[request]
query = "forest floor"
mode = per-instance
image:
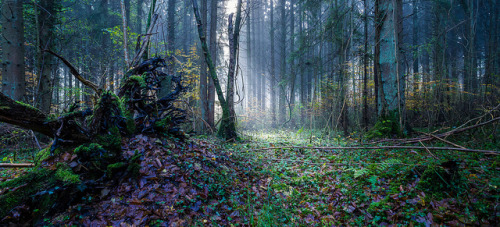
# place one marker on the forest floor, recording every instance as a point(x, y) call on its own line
point(205, 181)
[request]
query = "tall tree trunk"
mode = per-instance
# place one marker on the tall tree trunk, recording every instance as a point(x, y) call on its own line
point(171, 26)
point(365, 69)
point(125, 33)
point(12, 41)
point(303, 79)
point(253, 55)
point(469, 47)
point(376, 59)
point(139, 13)
point(227, 129)
point(282, 79)
point(213, 51)
point(203, 69)
point(262, 56)
point(250, 78)
point(415, 46)
point(391, 67)
point(292, 62)
point(46, 63)
point(273, 70)
point(186, 24)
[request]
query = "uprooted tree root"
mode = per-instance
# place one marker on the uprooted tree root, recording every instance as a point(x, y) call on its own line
point(86, 150)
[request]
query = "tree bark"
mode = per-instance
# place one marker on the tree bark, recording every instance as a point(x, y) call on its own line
point(273, 70)
point(125, 33)
point(12, 43)
point(282, 79)
point(213, 51)
point(365, 69)
point(203, 68)
point(390, 63)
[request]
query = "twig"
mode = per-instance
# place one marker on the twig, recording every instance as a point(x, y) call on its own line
point(75, 72)
point(446, 141)
point(384, 147)
point(432, 155)
point(445, 134)
point(16, 165)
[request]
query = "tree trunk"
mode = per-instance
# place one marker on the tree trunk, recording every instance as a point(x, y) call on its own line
point(46, 19)
point(203, 69)
point(391, 67)
point(139, 13)
point(250, 88)
point(273, 70)
point(365, 69)
point(282, 80)
point(213, 52)
point(292, 63)
point(125, 33)
point(12, 41)
point(227, 129)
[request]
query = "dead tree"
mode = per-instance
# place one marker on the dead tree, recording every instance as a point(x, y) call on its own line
point(86, 147)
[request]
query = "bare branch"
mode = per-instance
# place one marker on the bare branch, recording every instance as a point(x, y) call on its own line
point(75, 72)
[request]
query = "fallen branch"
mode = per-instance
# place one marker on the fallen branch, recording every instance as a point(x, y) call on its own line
point(446, 141)
point(16, 165)
point(433, 137)
point(385, 147)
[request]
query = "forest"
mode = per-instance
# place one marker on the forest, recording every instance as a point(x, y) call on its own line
point(250, 113)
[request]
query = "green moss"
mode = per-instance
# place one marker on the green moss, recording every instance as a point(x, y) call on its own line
point(386, 126)
point(66, 175)
point(27, 185)
point(88, 148)
point(111, 141)
point(26, 105)
point(114, 168)
point(137, 79)
point(164, 124)
point(43, 154)
point(129, 117)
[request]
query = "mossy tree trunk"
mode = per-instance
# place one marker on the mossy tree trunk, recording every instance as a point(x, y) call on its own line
point(227, 129)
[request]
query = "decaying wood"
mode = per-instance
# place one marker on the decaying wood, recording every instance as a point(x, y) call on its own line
point(385, 147)
point(16, 165)
point(20, 114)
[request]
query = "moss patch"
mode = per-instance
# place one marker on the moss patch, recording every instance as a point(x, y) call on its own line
point(112, 140)
point(66, 175)
point(115, 168)
point(26, 105)
point(385, 127)
point(21, 189)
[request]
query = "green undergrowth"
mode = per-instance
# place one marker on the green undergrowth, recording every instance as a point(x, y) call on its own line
point(326, 187)
point(300, 182)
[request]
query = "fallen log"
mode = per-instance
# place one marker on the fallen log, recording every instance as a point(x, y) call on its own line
point(385, 147)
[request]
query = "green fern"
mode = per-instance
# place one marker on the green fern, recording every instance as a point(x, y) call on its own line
point(360, 172)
